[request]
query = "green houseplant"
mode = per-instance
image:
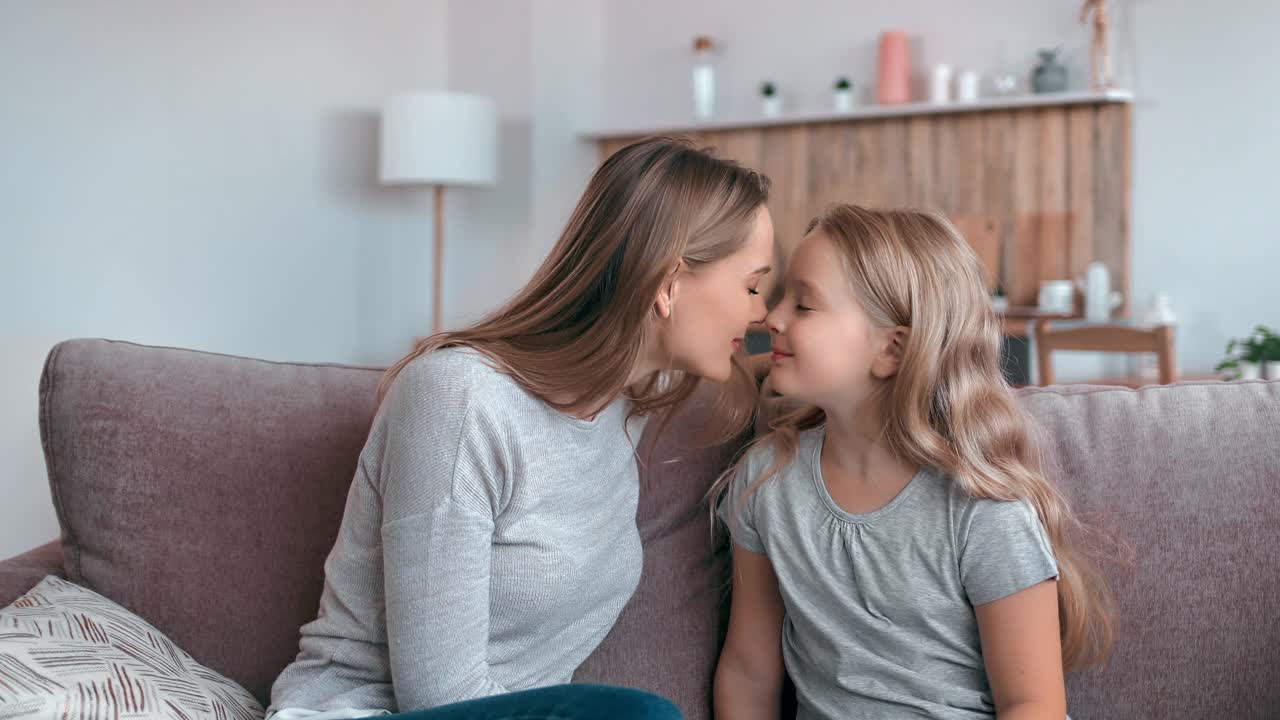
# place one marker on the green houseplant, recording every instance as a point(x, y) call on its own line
point(1252, 357)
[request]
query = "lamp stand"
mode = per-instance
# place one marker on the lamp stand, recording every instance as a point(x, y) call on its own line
point(437, 266)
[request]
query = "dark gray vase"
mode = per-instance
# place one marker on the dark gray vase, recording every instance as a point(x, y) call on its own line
point(1050, 76)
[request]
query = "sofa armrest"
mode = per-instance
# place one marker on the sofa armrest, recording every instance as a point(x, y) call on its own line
point(20, 574)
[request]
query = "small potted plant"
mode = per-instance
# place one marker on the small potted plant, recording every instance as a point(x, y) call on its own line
point(1247, 358)
point(843, 95)
point(772, 102)
point(1270, 353)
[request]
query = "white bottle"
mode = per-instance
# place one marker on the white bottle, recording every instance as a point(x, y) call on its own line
point(704, 89)
point(704, 78)
point(940, 84)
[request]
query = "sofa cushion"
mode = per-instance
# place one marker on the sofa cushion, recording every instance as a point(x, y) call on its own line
point(667, 639)
point(203, 491)
point(1188, 478)
point(67, 652)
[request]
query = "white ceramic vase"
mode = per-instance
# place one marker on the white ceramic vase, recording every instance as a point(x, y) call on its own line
point(1250, 371)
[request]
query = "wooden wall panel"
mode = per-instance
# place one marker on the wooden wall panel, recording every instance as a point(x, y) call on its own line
point(1112, 163)
point(1082, 124)
point(1039, 192)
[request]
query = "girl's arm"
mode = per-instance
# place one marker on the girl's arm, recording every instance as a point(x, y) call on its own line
point(749, 676)
point(1022, 651)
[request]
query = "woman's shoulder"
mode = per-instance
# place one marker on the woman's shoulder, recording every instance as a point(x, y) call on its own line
point(454, 370)
point(453, 381)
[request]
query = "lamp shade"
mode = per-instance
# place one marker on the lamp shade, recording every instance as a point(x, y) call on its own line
point(439, 138)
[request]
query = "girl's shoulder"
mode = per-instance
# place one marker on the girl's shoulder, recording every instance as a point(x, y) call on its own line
point(763, 456)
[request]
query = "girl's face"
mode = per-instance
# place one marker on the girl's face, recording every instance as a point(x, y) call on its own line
point(710, 308)
point(826, 349)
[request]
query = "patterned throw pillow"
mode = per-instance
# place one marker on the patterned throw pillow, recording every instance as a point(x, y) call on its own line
point(67, 652)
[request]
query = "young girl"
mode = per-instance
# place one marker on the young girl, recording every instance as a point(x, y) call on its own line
point(896, 549)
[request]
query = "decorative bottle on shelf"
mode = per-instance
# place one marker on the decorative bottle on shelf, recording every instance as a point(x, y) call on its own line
point(893, 72)
point(704, 79)
point(940, 84)
point(1050, 76)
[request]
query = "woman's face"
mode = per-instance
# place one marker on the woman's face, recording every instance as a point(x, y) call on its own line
point(712, 306)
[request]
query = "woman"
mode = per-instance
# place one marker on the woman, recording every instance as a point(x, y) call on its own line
point(489, 540)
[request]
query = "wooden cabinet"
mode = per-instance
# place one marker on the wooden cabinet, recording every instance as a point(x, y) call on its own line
point(1040, 186)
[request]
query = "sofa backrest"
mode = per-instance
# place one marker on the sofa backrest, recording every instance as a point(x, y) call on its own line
point(1187, 477)
point(204, 492)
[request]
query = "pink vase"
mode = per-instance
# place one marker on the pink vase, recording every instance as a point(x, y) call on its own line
point(895, 69)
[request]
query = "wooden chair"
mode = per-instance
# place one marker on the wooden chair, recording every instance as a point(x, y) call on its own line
point(1119, 338)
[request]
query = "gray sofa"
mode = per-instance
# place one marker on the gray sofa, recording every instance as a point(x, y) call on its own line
point(203, 492)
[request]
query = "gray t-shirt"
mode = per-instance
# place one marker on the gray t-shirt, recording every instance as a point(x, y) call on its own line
point(488, 545)
point(879, 619)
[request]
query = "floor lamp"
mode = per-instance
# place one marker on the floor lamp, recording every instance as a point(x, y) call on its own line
point(438, 139)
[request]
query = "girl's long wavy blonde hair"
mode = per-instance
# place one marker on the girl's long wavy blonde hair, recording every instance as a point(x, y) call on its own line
point(949, 406)
point(577, 329)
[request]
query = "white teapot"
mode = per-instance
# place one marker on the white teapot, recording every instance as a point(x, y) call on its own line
point(1099, 299)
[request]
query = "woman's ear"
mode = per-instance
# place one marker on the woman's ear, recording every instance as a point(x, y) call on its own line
point(664, 303)
point(893, 349)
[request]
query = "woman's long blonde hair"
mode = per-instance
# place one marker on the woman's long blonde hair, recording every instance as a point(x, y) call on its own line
point(577, 329)
point(949, 406)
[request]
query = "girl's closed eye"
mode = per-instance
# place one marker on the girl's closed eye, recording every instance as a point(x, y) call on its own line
point(803, 308)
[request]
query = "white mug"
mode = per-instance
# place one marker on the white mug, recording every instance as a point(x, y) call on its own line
point(1057, 297)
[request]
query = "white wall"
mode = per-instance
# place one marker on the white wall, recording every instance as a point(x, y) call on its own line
point(1205, 143)
point(802, 46)
point(26, 513)
point(205, 177)
point(201, 176)
point(541, 63)
point(1206, 151)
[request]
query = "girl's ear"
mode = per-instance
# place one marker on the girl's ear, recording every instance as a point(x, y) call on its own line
point(889, 360)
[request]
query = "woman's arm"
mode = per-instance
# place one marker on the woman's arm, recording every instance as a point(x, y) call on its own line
point(749, 677)
point(441, 483)
point(437, 584)
point(1022, 651)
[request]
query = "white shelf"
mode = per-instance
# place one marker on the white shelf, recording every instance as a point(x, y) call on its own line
point(870, 112)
